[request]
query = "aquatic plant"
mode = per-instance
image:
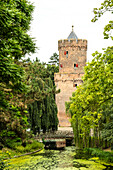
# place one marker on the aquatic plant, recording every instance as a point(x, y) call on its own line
point(56, 160)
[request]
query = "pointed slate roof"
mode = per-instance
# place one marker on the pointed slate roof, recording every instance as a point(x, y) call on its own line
point(72, 35)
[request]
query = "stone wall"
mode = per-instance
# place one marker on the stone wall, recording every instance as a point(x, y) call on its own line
point(66, 83)
point(72, 59)
point(76, 55)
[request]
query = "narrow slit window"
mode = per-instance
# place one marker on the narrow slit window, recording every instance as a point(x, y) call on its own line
point(61, 65)
point(66, 53)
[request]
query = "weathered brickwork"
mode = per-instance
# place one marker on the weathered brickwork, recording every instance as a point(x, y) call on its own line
point(72, 59)
point(76, 54)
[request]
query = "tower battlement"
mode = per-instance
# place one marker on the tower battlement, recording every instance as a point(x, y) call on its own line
point(82, 43)
point(72, 53)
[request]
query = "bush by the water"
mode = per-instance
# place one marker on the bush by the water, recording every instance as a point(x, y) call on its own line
point(9, 152)
point(29, 147)
point(18, 148)
point(106, 156)
point(3, 162)
point(87, 153)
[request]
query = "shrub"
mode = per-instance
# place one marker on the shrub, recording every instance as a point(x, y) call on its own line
point(20, 149)
point(87, 153)
point(106, 156)
point(12, 143)
point(29, 147)
point(3, 162)
point(35, 145)
point(9, 139)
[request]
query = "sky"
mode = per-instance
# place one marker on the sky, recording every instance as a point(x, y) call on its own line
point(53, 20)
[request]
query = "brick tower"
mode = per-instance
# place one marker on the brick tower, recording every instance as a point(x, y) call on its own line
point(72, 59)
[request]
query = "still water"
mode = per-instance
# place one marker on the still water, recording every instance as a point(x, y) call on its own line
point(57, 160)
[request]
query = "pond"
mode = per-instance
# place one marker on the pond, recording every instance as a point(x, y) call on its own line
point(57, 160)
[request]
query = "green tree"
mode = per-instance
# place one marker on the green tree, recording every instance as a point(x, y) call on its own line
point(107, 122)
point(54, 59)
point(40, 98)
point(15, 43)
point(87, 102)
point(51, 69)
point(91, 104)
point(106, 6)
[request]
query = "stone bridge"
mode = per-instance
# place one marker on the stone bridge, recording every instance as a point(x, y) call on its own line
point(62, 133)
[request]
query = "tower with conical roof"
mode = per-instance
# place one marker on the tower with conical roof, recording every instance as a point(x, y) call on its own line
point(72, 59)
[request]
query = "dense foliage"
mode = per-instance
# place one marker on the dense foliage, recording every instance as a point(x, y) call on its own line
point(94, 154)
point(15, 17)
point(106, 6)
point(40, 97)
point(54, 59)
point(91, 104)
point(24, 85)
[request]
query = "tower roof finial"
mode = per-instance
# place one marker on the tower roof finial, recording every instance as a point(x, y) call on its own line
point(72, 35)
